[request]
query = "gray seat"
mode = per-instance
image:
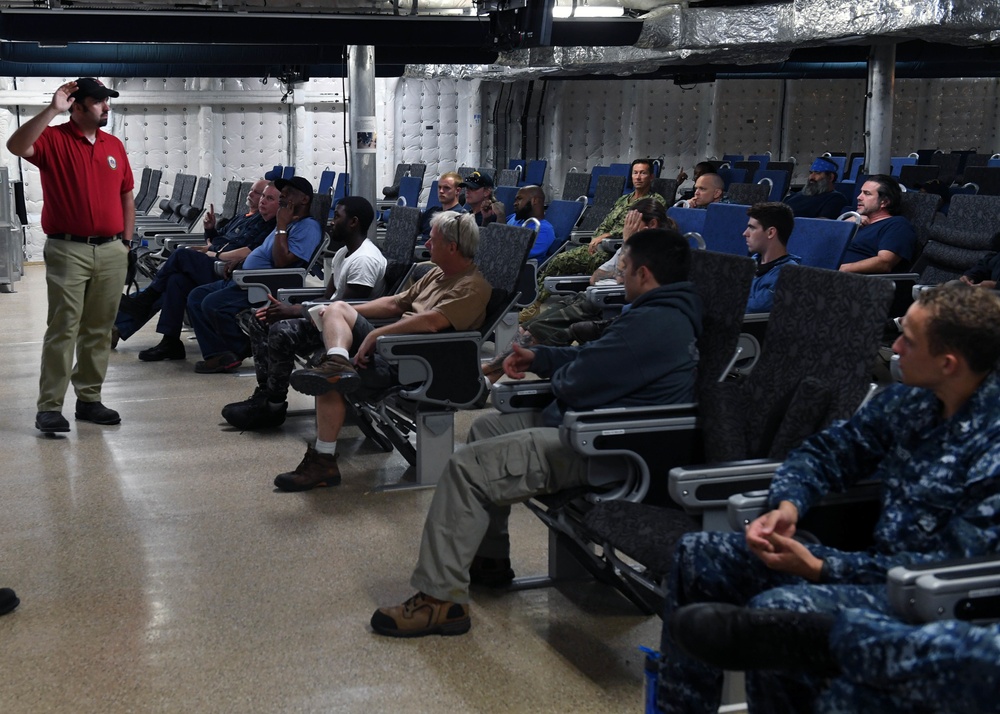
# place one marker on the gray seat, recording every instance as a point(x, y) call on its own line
point(747, 194)
point(440, 373)
point(506, 177)
point(575, 185)
point(609, 190)
point(958, 243)
point(822, 337)
point(231, 201)
point(639, 438)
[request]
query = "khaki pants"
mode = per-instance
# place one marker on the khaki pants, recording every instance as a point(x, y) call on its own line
point(84, 288)
point(509, 459)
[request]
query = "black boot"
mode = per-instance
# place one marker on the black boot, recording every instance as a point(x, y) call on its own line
point(740, 638)
point(170, 347)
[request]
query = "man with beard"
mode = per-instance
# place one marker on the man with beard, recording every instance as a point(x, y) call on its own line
point(88, 217)
point(886, 241)
point(530, 203)
point(817, 199)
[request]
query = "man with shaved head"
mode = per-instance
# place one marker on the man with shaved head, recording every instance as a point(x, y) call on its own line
point(530, 203)
point(707, 189)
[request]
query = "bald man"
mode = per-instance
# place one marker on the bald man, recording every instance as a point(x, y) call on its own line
point(530, 203)
point(707, 189)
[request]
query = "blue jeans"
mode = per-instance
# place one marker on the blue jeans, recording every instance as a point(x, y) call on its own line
point(213, 309)
point(183, 272)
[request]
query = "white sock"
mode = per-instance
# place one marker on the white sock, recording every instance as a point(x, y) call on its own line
point(339, 351)
point(326, 447)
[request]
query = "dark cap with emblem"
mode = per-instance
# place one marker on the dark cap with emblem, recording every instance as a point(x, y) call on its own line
point(90, 87)
point(477, 180)
point(296, 182)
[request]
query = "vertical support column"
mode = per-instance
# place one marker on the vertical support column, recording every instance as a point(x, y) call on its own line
point(878, 122)
point(364, 134)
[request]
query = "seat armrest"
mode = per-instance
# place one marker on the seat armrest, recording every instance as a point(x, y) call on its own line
point(608, 298)
point(261, 283)
point(296, 296)
point(611, 245)
point(949, 589)
point(744, 508)
point(174, 242)
point(566, 284)
point(439, 368)
point(702, 487)
point(522, 396)
point(623, 432)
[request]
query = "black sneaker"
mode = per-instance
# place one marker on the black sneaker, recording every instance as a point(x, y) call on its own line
point(51, 422)
point(96, 413)
point(255, 412)
point(169, 348)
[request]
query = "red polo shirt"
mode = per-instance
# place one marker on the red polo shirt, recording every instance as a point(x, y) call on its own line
point(82, 183)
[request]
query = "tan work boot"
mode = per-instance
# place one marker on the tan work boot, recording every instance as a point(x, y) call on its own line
point(422, 615)
point(332, 373)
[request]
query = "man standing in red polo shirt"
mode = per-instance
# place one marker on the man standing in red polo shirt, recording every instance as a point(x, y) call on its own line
point(88, 216)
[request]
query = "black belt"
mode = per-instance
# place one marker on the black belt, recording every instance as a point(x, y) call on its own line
point(89, 240)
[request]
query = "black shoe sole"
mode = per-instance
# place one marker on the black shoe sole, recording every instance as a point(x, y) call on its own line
point(52, 429)
point(108, 422)
point(148, 356)
point(315, 385)
point(296, 488)
point(450, 629)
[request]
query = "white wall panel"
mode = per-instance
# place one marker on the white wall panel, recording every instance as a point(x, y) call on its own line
point(239, 128)
point(946, 114)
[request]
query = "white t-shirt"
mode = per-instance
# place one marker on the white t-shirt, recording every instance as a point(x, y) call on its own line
point(365, 266)
point(613, 267)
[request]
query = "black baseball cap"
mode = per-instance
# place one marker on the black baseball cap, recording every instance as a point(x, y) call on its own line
point(296, 182)
point(477, 180)
point(90, 87)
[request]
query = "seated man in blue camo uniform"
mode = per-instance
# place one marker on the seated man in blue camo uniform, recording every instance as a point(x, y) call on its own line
point(873, 662)
point(933, 442)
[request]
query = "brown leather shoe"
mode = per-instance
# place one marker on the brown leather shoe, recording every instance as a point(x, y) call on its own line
point(313, 471)
point(422, 615)
point(332, 373)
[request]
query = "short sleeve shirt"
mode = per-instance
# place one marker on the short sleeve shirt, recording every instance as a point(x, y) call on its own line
point(893, 234)
point(461, 298)
point(82, 183)
point(365, 266)
point(303, 239)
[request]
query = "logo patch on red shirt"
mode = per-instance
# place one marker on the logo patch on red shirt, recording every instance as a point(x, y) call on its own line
point(112, 163)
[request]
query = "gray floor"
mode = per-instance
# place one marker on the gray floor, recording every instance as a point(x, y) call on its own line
point(160, 571)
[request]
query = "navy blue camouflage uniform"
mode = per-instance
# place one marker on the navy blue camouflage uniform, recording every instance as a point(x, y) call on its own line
point(889, 666)
point(940, 499)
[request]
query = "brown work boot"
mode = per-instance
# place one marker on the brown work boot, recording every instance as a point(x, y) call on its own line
point(332, 373)
point(313, 471)
point(422, 615)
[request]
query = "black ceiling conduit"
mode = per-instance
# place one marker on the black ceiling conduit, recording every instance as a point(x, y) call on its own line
point(87, 69)
point(62, 26)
